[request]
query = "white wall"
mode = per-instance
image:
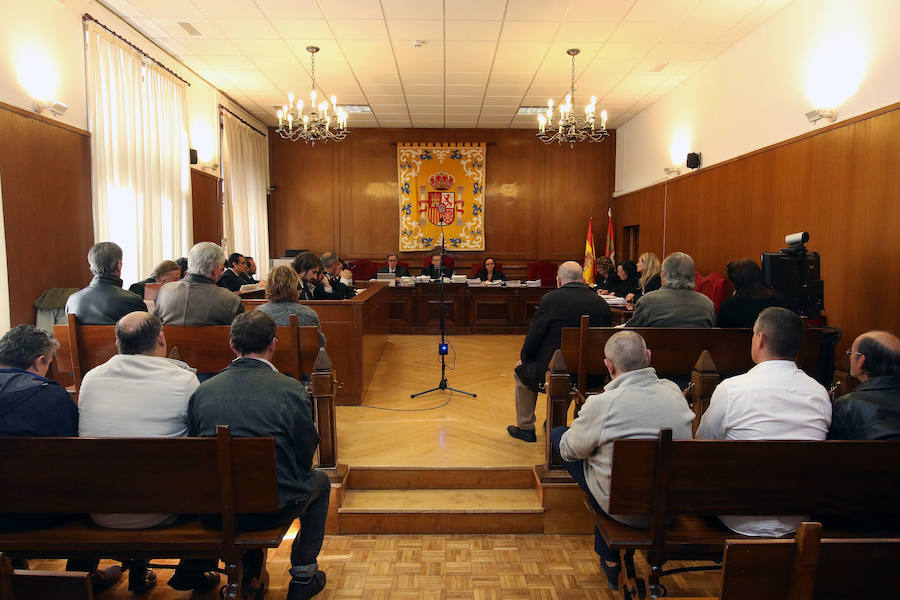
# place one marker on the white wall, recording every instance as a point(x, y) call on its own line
point(42, 55)
point(756, 93)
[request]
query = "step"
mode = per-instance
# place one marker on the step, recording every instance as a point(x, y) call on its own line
point(444, 478)
point(436, 511)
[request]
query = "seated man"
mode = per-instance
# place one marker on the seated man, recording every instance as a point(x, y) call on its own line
point(872, 410)
point(774, 400)
point(676, 304)
point(635, 404)
point(560, 308)
point(164, 272)
point(249, 277)
point(393, 267)
point(233, 277)
point(309, 267)
point(104, 302)
point(138, 393)
point(33, 406)
point(337, 282)
point(255, 400)
point(196, 300)
point(435, 270)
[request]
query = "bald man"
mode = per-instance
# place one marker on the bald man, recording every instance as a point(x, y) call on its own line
point(872, 410)
point(560, 308)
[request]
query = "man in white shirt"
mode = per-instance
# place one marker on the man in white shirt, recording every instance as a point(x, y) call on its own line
point(137, 393)
point(774, 400)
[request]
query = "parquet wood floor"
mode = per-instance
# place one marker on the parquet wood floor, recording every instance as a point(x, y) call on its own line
point(445, 567)
point(467, 432)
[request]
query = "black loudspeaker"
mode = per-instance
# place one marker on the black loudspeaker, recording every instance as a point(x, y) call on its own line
point(193, 156)
point(693, 160)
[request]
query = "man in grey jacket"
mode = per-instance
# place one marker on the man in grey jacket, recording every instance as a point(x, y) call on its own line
point(676, 304)
point(635, 404)
point(196, 300)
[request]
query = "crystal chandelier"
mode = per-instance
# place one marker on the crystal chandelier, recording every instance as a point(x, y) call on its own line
point(570, 128)
point(316, 125)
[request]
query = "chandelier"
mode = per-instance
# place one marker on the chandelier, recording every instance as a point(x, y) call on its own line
point(570, 128)
point(316, 125)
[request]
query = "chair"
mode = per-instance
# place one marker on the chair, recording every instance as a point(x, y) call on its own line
point(364, 269)
point(543, 270)
point(449, 261)
point(714, 286)
point(473, 272)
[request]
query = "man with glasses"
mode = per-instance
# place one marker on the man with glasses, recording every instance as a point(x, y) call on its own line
point(872, 410)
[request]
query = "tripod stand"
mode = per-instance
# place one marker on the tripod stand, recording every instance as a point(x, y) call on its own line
point(442, 347)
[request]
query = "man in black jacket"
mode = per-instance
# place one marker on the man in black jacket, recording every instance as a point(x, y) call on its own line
point(560, 308)
point(872, 410)
point(394, 267)
point(255, 400)
point(233, 277)
point(104, 302)
point(436, 270)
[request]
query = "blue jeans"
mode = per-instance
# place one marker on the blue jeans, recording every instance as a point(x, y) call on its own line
point(576, 470)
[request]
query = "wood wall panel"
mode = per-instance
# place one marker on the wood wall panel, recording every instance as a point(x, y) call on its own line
point(45, 170)
point(840, 184)
point(344, 196)
point(207, 210)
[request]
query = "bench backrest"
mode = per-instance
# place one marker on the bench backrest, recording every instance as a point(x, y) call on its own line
point(203, 348)
point(810, 568)
point(705, 477)
point(140, 475)
point(39, 585)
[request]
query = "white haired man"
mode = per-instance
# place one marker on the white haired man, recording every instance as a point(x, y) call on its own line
point(676, 304)
point(103, 301)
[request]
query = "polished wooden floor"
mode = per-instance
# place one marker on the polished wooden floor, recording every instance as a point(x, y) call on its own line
point(443, 567)
point(442, 428)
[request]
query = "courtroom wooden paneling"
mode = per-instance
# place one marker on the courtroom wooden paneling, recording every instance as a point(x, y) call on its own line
point(45, 170)
point(207, 209)
point(839, 183)
point(344, 196)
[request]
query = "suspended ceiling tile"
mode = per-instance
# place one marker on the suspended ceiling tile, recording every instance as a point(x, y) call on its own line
point(528, 31)
point(429, 109)
point(466, 100)
point(511, 77)
point(174, 47)
point(466, 78)
point(424, 100)
point(383, 89)
point(519, 56)
point(395, 123)
point(677, 51)
point(602, 66)
point(417, 89)
point(640, 31)
point(625, 50)
point(425, 78)
point(699, 31)
point(458, 109)
point(465, 123)
point(475, 10)
point(359, 9)
point(579, 31)
point(124, 8)
point(472, 31)
point(329, 54)
point(536, 10)
point(359, 29)
point(711, 51)
point(660, 10)
point(469, 56)
point(502, 100)
point(668, 67)
point(640, 84)
point(170, 28)
point(506, 90)
point(376, 78)
point(418, 29)
point(592, 10)
point(716, 10)
point(428, 58)
point(250, 82)
point(303, 29)
point(163, 9)
point(385, 99)
point(207, 47)
point(692, 66)
point(229, 63)
point(412, 9)
point(464, 89)
point(233, 9)
point(276, 10)
point(271, 48)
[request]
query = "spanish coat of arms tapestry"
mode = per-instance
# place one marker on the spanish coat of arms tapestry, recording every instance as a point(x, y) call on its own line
point(441, 185)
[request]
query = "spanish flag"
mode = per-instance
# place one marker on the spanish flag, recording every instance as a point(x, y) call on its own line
point(610, 240)
point(590, 265)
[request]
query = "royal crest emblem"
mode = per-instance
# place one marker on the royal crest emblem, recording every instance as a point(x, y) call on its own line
point(440, 207)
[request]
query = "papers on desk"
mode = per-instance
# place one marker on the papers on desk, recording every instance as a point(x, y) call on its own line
point(513, 283)
point(251, 287)
point(458, 279)
point(473, 282)
point(614, 300)
point(497, 283)
point(533, 283)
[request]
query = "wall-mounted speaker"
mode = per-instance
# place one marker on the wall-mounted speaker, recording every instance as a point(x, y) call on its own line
point(194, 157)
point(693, 160)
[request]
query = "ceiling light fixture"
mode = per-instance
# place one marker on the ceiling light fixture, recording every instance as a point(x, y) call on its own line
point(571, 129)
point(317, 125)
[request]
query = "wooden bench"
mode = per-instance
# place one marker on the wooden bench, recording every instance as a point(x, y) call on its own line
point(810, 568)
point(684, 482)
point(705, 355)
point(16, 584)
point(221, 476)
point(83, 347)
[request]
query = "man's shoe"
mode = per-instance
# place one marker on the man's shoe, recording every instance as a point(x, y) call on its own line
point(612, 574)
point(140, 580)
point(103, 579)
point(526, 435)
point(303, 590)
point(200, 582)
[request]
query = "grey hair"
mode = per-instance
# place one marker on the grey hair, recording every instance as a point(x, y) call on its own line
point(204, 257)
point(328, 259)
point(627, 351)
point(568, 274)
point(104, 258)
point(23, 344)
point(679, 271)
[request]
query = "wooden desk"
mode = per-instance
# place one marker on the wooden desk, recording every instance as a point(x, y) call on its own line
point(469, 309)
point(355, 330)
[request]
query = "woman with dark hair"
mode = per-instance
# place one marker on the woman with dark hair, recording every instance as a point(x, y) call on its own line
point(607, 279)
point(751, 295)
point(489, 272)
point(629, 280)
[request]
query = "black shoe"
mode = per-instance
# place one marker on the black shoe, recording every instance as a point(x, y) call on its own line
point(192, 580)
point(526, 435)
point(612, 574)
point(303, 590)
point(140, 580)
point(103, 579)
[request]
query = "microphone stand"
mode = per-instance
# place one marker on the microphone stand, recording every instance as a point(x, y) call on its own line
point(442, 347)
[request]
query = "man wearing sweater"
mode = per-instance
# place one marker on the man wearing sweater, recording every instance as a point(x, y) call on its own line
point(635, 404)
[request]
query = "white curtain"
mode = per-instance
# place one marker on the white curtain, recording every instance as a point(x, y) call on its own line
point(139, 155)
point(245, 167)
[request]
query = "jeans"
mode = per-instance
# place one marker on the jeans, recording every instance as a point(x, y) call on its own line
point(576, 470)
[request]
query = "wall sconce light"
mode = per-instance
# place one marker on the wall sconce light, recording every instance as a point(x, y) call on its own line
point(672, 171)
point(821, 113)
point(56, 107)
